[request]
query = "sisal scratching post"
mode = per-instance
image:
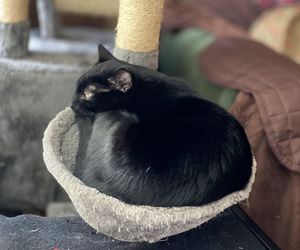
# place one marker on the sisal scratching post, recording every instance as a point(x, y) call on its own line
point(14, 28)
point(138, 31)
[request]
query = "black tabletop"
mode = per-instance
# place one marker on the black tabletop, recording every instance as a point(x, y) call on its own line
point(231, 230)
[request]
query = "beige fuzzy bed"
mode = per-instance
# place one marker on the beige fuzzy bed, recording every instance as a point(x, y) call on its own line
point(109, 215)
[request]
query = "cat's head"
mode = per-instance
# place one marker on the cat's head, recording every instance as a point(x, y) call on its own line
point(109, 73)
point(106, 85)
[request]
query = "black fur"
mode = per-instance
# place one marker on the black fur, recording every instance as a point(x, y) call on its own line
point(154, 141)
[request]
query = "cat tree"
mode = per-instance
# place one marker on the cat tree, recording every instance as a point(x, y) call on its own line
point(14, 28)
point(138, 32)
point(136, 42)
point(33, 87)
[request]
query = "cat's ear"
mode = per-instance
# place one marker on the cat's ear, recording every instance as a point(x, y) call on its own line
point(121, 80)
point(103, 54)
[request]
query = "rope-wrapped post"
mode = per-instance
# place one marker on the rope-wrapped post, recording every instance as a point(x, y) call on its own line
point(14, 28)
point(138, 31)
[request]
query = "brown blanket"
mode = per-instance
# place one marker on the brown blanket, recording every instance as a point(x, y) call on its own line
point(238, 12)
point(269, 106)
point(181, 16)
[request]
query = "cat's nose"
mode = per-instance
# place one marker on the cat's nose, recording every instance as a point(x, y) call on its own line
point(88, 96)
point(89, 93)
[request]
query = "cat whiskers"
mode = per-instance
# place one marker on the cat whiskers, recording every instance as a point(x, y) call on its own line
point(185, 164)
point(148, 169)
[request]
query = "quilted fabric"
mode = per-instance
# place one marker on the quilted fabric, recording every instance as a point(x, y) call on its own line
point(274, 82)
point(270, 3)
point(240, 13)
point(203, 15)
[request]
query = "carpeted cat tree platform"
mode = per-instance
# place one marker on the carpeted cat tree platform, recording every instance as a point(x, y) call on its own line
point(33, 87)
point(231, 230)
point(136, 42)
point(109, 215)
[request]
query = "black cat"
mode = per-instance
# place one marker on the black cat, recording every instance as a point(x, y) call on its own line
point(153, 141)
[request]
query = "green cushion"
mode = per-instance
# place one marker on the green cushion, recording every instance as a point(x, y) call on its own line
point(179, 53)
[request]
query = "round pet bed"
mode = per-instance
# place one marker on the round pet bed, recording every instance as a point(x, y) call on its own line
point(109, 215)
